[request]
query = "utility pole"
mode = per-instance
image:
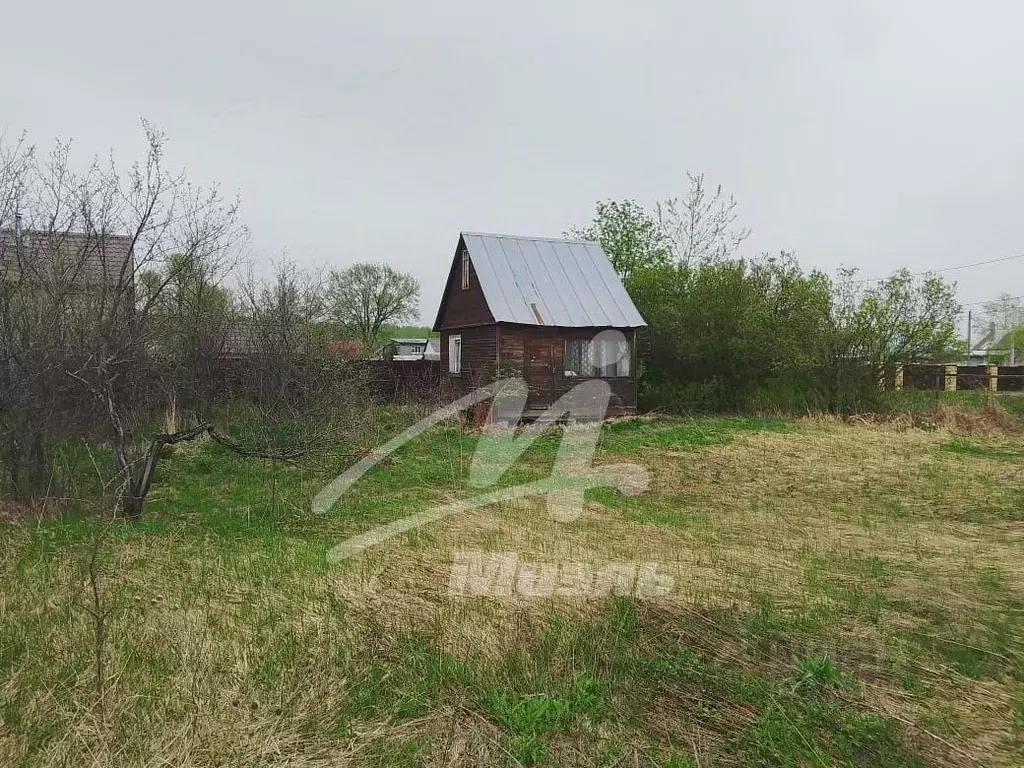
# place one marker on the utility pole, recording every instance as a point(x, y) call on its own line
point(970, 347)
point(1011, 321)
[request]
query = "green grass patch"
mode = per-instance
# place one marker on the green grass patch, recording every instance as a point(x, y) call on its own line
point(966, 447)
point(226, 616)
point(631, 435)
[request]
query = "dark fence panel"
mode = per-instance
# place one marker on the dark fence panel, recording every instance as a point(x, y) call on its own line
point(396, 381)
point(922, 376)
point(1011, 378)
point(972, 377)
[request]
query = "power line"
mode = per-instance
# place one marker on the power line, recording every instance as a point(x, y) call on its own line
point(990, 301)
point(949, 269)
point(977, 264)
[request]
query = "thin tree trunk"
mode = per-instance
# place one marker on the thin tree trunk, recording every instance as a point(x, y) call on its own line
point(137, 488)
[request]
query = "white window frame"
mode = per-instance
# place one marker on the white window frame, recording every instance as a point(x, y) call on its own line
point(465, 270)
point(455, 354)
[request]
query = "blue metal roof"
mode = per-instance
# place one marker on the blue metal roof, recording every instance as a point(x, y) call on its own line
point(542, 281)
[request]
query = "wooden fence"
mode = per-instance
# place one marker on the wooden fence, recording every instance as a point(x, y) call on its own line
point(403, 380)
point(991, 378)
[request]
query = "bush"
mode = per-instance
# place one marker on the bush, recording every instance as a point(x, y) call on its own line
point(731, 335)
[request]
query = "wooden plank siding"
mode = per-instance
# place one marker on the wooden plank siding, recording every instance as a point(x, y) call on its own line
point(517, 341)
point(479, 357)
point(463, 307)
point(497, 351)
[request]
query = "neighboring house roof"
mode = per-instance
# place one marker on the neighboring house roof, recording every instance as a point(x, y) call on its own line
point(986, 338)
point(346, 348)
point(431, 349)
point(66, 257)
point(1012, 338)
point(544, 281)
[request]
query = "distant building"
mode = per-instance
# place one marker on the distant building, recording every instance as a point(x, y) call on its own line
point(409, 349)
point(1006, 350)
point(433, 351)
point(78, 262)
point(346, 348)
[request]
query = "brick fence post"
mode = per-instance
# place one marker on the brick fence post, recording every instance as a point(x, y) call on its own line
point(950, 382)
point(897, 380)
point(993, 378)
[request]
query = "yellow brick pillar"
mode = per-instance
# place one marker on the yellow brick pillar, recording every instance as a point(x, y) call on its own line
point(993, 378)
point(897, 379)
point(950, 378)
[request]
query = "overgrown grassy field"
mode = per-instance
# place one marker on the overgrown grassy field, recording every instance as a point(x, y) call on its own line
point(844, 594)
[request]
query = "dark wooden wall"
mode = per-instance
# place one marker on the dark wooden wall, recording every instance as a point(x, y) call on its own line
point(460, 307)
point(399, 381)
point(972, 377)
point(479, 357)
point(924, 376)
point(1011, 378)
point(546, 346)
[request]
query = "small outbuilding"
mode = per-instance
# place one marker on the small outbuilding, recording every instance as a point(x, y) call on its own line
point(403, 350)
point(537, 308)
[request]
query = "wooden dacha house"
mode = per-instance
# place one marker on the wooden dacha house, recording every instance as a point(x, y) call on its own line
point(550, 311)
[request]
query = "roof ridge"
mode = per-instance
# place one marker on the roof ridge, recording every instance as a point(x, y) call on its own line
point(66, 233)
point(531, 237)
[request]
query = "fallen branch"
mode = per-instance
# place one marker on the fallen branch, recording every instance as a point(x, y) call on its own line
point(251, 453)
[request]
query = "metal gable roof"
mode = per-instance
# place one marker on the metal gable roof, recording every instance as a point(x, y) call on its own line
point(541, 281)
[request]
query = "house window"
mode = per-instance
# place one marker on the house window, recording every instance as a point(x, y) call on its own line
point(465, 270)
point(597, 358)
point(454, 354)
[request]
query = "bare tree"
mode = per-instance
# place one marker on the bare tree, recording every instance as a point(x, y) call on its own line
point(701, 225)
point(289, 371)
point(15, 161)
point(366, 296)
point(21, 446)
point(192, 316)
point(74, 321)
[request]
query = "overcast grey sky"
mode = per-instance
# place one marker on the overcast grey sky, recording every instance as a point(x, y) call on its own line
point(880, 134)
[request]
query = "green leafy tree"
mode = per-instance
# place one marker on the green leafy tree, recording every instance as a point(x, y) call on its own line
point(875, 326)
point(629, 234)
point(364, 297)
point(187, 291)
point(902, 318)
point(697, 227)
point(730, 334)
point(192, 316)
